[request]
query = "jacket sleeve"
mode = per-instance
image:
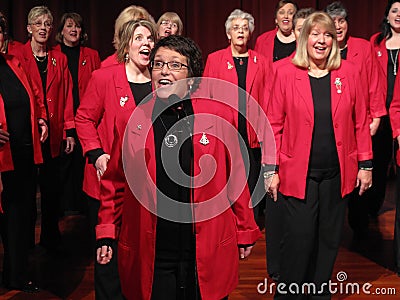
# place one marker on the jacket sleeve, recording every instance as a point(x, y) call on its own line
point(89, 114)
point(112, 187)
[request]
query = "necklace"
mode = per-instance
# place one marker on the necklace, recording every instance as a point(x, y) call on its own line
point(240, 59)
point(40, 58)
point(171, 140)
point(394, 61)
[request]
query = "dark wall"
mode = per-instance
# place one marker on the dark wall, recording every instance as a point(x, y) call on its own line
point(203, 19)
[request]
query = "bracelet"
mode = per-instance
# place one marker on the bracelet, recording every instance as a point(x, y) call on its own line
point(365, 169)
point(269, 174)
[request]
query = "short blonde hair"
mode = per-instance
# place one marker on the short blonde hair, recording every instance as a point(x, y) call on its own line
point(36, 12)
point(174, 18)
point(301, 58)
point(131, 13)
point(126, 35)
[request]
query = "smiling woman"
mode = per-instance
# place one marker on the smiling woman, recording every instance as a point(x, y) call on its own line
point(317, 168)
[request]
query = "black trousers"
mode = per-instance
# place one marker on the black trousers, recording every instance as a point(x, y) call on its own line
point(312, 232)
point(273, 234)
point(397, 223)
point(106, 278)
point(18, 201)
point(72, 168)
point(50, 192)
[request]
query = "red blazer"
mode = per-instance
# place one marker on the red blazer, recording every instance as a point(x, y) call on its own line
point(89, 60)
point(220, 65)
point(265, 44)
point(122, 215)
point(110, 61)
point(382, 58)
point(58, 92)
point(291, 115)
point(95, 116)
point(360, 52)
point(394, 113)
point(37, 111)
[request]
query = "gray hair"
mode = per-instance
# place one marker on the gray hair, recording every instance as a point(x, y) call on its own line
point(336, 9)
point(239, 14)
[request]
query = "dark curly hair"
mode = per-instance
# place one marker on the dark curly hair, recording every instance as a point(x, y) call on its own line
point(186, 47)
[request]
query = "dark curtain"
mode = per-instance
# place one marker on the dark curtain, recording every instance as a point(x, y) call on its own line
point(204, 20)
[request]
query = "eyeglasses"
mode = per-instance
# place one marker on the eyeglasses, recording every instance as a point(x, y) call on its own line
point(236, 28)
point(39, 24)
point(172, 65)
point(166, 23)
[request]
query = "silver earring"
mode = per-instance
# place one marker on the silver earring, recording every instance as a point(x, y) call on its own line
point(126, 57)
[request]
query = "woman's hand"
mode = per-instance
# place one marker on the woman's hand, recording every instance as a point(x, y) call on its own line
point(104, 254)
point(44, 130)
point(373, 126)
point(101, 164)
point(70, 145)
point(364, 180)
point(4, 136)
point(271, 185)
point(245, 251)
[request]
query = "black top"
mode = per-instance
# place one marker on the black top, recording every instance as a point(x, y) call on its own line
point(282, 50)
point(241, 70)
point(343, 53)
point(72, 54)
point(323, 149)
point(174, 168)
point(140, 90)
point(17, 108)
point(41, 62)
point(393, 57)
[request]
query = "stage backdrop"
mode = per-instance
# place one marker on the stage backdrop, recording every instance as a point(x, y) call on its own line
point(204, 20)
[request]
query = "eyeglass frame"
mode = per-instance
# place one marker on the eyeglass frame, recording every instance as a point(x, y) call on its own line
point(168, 65)
point(39, 24)
point(167, 22)
point(236, 28)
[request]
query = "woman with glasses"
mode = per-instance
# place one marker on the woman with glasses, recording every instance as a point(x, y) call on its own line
point(249, 71)
point(279, 42)
point(110, 92)
point(22, 130)
point(169, 23)
point(180, 228)
point(47, 69)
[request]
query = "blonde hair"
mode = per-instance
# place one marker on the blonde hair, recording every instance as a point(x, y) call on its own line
point(131, 13)
point(36, 12)
point(301, 58)
point(174, 18)
point(126, 35)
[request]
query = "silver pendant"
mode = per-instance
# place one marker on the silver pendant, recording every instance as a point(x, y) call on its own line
point(171, 140)
point(204, 140)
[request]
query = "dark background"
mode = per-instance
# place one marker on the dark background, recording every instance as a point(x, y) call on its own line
point(204, 20)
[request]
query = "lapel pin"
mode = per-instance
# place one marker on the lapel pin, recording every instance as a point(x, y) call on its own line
point(139, 127)
point(84, 62)
point(204, 140)
point(123, 100)
point(230, 66)
point(338, 85)
point(255, 59)
point(53, 60)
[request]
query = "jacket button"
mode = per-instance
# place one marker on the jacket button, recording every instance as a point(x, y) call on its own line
point(51, 115)
point(339, 143)
point(336, 125)
point(49, 100)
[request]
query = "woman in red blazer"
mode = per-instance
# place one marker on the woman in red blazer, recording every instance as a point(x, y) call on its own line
point(250, 72)
point(323, 150)
point(111, 91)
point(360, 52)
point(22, 115)
point(130, 13)
point(160, 255)
point(82, 61)
point(279, 42)
point(386, 46)
point(47, 69)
